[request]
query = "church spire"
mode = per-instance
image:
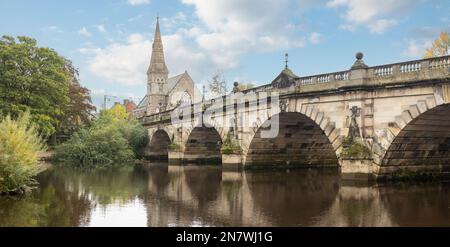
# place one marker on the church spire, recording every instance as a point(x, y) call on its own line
point(157, 76)
point(157, 63)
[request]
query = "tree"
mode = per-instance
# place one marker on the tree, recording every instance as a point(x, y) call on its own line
point(78, 111)
point(440, 46)
point(217, 86)
point(116, 113)
point(33, 79)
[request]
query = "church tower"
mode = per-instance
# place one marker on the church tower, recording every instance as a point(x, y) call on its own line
point(157, 77)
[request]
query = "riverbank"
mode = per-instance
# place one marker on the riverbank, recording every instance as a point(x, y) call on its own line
point(44, 159)
point(46, 156)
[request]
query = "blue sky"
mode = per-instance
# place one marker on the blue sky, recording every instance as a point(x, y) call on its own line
point(243, 40)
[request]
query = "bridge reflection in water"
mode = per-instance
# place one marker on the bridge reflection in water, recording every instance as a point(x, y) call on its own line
point(162, 195)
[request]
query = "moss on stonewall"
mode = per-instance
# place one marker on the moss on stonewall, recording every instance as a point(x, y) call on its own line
point(406, 175)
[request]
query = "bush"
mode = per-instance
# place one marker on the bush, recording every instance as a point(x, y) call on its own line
point(135, 134)
point(95, 147)
point(174, 146)
point(231, 146)
point(20, 145)
point(355, 149)
point(110, 141)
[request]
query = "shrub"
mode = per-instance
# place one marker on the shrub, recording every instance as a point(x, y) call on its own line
point(355, 149)
point(135, 134)
point(99, 147)
point(231, 146)
point(174, 146)
point(20, 145)
point(109, 141)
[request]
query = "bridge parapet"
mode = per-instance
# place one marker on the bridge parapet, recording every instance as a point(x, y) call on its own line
point(431, 69)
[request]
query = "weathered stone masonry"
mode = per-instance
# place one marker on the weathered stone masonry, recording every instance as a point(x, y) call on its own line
point(403, 119)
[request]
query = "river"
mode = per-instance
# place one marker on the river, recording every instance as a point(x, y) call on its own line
point(162, 195)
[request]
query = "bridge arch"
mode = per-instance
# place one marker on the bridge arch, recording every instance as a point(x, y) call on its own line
point(302, 141)
point(203, 146)
point(420, 139)
point(158, 149)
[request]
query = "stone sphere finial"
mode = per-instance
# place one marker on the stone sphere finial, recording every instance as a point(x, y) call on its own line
point(359, 55)
point(236, 87)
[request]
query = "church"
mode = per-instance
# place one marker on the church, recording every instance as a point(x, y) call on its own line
point(164, 93)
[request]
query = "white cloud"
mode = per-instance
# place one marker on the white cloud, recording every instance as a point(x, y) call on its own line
point(213, 40)
point(101, 28)
point(138, 2)
point(52, 29)
point(230, 28)
point(179, 20)
point(122, 63)
point(380, 26)
point(84, 32)
point(375, 15)
point(416, 49)
point(315, 38)
point(127, 63)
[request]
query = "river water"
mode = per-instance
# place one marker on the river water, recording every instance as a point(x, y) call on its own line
point(162, 195)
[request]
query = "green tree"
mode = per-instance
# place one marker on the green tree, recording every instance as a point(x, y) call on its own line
point(440, 46)
point(34, 79)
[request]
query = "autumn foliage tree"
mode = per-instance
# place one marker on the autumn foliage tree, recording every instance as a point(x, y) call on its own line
point(79, 109)
point(440, 46)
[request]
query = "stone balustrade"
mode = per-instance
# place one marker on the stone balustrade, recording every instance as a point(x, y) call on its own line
point(432, 68)
point(383, 71)
point(441, 62)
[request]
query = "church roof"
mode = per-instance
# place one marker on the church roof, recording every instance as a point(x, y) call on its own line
point(143, 102)
point(173, 81)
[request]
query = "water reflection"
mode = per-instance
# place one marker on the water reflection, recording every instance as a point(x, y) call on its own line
point(55, 203)
point(293, 198)
point(428, 204)
point(162, 195)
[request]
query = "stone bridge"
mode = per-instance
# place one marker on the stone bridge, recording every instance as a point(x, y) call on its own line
point(373, 121)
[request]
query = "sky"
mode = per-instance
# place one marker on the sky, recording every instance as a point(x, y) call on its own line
point(242, 40)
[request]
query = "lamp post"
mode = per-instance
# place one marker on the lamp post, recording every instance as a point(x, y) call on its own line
point(107, 98)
